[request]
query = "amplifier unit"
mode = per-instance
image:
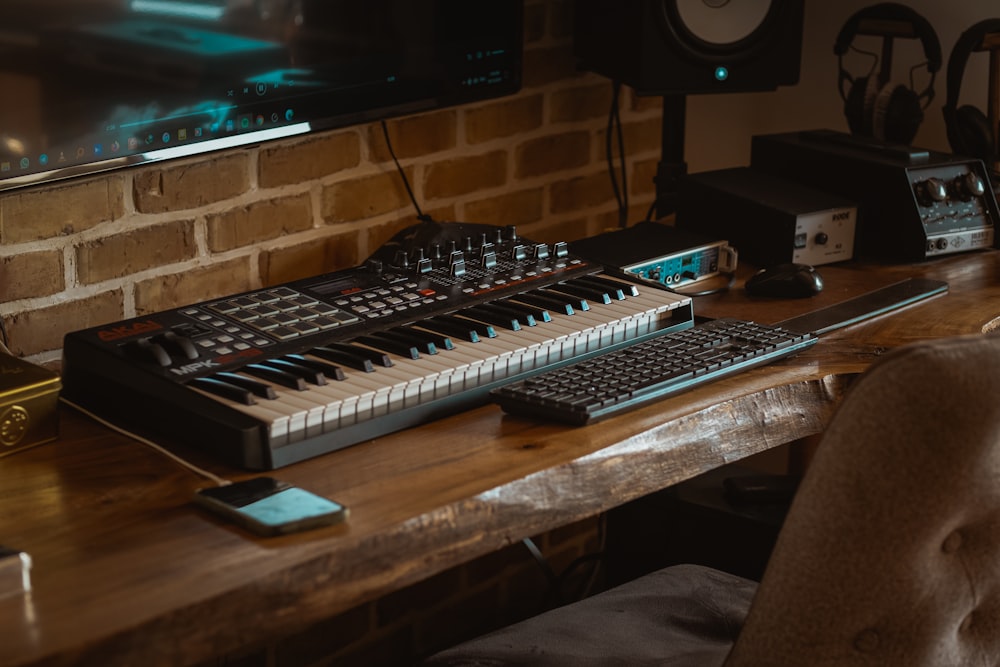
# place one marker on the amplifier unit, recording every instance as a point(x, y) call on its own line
point(659, 253)
point(913, 203)
point(769, 219)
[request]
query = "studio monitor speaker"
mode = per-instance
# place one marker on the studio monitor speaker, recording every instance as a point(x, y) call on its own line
point(662, 47)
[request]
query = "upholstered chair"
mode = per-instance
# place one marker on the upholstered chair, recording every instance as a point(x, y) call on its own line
point(889, 555)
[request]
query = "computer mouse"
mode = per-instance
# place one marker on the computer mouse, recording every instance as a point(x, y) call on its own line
point(789, 280)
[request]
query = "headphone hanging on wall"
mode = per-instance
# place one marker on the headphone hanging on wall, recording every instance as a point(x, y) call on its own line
point(874, 106)
point(969, 130)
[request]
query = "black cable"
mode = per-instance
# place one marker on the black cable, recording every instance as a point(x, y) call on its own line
point(542, 561)
point(623, 215)
point(406, 182)
point(558, 582)
point(614, 130)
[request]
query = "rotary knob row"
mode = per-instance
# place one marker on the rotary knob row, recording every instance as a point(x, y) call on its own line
point(966, 187)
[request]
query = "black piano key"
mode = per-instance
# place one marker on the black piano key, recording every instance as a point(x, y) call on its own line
point(627, 288)
point(384, 343)
point(577, 302)
point(283, 378)
point(582, 291)
point(482, 329)
point(256, 388)
point(330, 371)
point(452, 326)
point(548, 301)
point(615, 290)
point(407, 338)
point(440, 340)
point(524, 318)
point(310, 375)
point(488, 315)
point(377, 357)
point(225, 390)
point(347, 357)
point(539, 314)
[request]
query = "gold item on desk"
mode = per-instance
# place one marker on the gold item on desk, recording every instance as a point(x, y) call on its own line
point(28, 398)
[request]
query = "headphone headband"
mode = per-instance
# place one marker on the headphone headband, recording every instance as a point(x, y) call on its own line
point(892, 11)
point(964, 46)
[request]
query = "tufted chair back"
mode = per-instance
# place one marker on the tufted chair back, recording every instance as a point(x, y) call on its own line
point(890, 554)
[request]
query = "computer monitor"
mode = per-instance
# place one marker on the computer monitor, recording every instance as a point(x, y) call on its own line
point(94, 85)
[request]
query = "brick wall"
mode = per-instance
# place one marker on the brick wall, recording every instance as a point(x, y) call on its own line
point(96, 250)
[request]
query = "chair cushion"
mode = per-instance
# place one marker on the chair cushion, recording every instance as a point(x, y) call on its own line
point(690, 613)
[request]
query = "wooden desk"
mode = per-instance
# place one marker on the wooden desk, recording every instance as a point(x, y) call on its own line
point(127, 571)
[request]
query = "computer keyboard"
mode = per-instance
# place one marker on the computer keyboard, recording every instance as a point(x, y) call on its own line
point(592, 389)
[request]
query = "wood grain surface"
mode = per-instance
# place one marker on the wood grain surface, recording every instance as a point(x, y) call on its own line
point(128, 571)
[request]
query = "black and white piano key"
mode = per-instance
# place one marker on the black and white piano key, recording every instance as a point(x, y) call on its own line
point(576, 302)
point(347, 357)
point(388, 344)
point(582, 291)
point(439, 340)
point(464, 328)
point(547, 301)
point(488, 314)
point(329, 371)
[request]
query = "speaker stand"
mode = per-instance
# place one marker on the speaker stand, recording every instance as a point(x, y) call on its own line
point(672, 167)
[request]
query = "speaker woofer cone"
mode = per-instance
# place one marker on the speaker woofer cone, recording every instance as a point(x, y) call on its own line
point(718, 27)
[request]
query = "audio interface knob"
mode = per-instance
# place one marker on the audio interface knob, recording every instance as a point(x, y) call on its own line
point(969, 186)
point(822, 238)
point(931, 191)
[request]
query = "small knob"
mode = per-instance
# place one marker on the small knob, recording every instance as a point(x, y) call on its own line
point(402, 260)
point(931, 191)
point(969, 185)
point(822, 238)
point(511, 232)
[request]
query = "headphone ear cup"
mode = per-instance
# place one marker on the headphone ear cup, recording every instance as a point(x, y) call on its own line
point(858, 105)
point(973, 133)
point(896, 115)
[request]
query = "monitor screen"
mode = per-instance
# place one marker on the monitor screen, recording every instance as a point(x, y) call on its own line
point(92, 85)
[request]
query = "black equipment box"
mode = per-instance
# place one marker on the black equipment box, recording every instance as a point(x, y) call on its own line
point(913, 203)
point(769, 219)
point(659, 253)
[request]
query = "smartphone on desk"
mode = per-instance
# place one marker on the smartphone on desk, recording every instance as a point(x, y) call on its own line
point(268, 506)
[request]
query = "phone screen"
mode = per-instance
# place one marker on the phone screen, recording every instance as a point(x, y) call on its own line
point(271, 507)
